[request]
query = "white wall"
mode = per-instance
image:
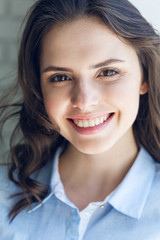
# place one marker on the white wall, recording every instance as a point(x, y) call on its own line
point(150, 9)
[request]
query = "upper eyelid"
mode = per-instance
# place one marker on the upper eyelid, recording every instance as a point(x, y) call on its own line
point(118, 71)
point(110, 68)
point(58, 74)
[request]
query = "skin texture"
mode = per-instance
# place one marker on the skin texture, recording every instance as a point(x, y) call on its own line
point(93, 164)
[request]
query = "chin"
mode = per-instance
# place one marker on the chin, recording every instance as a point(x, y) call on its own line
point(92, 148)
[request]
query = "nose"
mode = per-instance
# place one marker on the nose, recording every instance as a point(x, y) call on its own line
point(85, 95)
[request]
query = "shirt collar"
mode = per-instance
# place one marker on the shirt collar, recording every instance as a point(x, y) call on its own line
point(130, 196)
point(49, 175)
point(44, 175)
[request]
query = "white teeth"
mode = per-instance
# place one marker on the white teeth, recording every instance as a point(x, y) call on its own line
point(97, 121)
point(85, 123)
point(91, 122)
point(80, 123)
point(101, 120)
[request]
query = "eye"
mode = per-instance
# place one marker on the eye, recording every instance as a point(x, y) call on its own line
point(59, 78)
point(108, 73)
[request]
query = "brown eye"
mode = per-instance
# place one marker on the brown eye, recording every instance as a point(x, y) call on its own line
point(108, 73)
point(59, 78)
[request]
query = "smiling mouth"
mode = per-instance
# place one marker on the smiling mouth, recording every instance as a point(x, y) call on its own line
point(91, 122)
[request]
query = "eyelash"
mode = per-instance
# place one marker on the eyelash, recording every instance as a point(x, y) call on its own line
point(115, 71)
point(64, 77)
point(52, 78)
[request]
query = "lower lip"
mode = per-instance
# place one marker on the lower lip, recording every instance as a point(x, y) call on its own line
point(91, 130)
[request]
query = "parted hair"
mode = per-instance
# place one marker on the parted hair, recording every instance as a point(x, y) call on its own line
point(39, 137)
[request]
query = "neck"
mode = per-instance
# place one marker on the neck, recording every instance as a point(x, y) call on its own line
point(109, 167)
point(91, 177)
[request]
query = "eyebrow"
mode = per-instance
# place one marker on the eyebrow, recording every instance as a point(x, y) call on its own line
point(105, 63)
point(98, 65)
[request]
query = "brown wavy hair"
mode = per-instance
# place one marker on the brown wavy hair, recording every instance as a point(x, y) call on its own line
point(39, 138)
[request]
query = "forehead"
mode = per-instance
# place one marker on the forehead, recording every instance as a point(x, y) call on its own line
point(86, 38)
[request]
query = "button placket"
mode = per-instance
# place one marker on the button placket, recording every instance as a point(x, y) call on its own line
point(73, 226)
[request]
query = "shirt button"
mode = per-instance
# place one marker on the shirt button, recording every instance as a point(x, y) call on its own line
point(101, 206)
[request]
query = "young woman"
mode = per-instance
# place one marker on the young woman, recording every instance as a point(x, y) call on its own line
point(87, 162)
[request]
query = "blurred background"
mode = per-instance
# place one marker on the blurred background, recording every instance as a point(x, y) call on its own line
point(12, 13)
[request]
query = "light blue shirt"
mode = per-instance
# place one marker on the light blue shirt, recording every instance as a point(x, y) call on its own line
point(131, 212)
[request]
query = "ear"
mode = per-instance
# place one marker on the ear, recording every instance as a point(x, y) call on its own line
point(144, 88)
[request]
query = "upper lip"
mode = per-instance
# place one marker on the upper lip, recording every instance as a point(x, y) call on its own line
point(90, 116)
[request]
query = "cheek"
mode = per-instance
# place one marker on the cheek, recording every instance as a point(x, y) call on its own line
point(53, 111)
point(123, 94)
point(51, 105)
point(55, 104)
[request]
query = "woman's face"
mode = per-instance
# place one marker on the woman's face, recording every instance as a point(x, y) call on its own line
point(91, 82)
